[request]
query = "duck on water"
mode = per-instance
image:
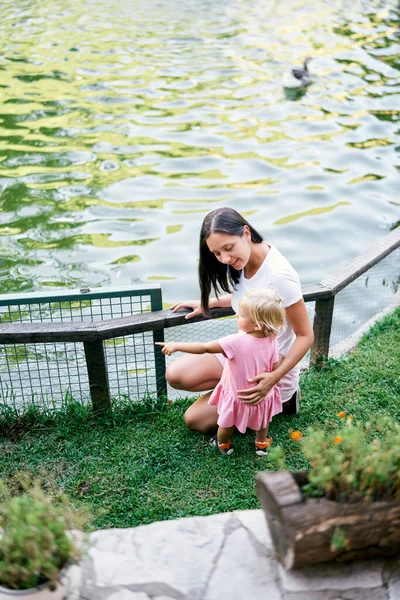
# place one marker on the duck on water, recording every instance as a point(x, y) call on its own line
point(298, 77)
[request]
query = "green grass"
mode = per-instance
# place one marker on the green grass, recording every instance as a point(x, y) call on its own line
point(140, 463)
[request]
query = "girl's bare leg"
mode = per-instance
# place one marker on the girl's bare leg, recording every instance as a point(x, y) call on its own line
point(224, 434)
point(261, 434)
point(197, 373)
point(263, 442)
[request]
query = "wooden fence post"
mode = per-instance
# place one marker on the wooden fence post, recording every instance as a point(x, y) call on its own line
point(98, 377)
point(322, 329)
point(159, 357)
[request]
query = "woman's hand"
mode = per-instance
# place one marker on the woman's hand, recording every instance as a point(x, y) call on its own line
point(193, 304)
point(256, 394)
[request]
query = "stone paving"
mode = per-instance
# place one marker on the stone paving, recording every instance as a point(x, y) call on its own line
point(220, 557)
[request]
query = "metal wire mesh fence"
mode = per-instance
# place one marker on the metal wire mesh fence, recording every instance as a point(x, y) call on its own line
point(117, 358)
point(204, 331)
point(365, 297)
point(51, 372)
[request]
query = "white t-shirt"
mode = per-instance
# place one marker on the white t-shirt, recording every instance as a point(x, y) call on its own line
point(277, 273)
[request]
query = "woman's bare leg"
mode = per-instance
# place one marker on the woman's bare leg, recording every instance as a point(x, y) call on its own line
point(200, 416)
point(194, 372)
point(197, 373)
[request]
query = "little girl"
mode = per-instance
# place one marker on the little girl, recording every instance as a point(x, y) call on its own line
point(252, 351)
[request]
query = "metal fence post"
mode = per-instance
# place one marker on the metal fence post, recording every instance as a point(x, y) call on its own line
point(322, 329)
point(98, 377)
point(158, 336)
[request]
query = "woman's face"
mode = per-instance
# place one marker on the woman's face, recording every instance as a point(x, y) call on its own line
point(232, 250)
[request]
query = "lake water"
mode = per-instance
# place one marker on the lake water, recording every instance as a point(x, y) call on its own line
point(122, 123)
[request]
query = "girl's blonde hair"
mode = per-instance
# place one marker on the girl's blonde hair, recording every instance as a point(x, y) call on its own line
point(265, 308)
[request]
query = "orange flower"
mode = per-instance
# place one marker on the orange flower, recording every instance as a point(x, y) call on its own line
point(295, 435)
point(338, 440)
point(341, 414)
point(349, 418)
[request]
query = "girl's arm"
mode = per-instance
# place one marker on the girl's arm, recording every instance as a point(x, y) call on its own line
point(221, 302)
point(190, 347)
point(298, 317)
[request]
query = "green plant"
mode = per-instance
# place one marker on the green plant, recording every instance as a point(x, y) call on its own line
point(34, 544)
point(358, 462)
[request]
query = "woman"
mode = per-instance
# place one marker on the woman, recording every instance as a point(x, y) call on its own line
point(234, 259)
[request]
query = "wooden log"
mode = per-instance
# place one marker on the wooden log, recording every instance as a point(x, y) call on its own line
point(72, 331)
point(38, 333)
point(303, 529)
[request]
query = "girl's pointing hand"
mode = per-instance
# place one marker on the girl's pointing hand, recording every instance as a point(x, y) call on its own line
point(167, 348)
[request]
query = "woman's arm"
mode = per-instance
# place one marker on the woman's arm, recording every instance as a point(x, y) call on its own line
point(275, 365)
point(190, 347)
point(298, 318)
point(221, 302)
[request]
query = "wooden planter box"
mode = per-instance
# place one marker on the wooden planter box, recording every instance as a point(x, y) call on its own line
point(302, 528)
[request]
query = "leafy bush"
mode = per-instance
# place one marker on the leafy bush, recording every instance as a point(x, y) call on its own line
point(357, 462)
point(34, 544)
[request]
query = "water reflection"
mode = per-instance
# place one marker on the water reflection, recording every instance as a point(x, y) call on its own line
point(123, 123)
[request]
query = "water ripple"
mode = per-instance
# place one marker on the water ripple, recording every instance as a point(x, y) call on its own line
point(123, 123)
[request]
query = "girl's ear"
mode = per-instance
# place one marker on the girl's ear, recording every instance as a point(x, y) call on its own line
point(258, 327)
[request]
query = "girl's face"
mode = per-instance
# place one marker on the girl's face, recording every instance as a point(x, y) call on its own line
point(232, 250)
point(244, 321)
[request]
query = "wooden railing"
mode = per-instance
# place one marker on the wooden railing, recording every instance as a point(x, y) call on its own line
point(92, 334)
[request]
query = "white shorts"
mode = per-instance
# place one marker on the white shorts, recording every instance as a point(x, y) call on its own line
point(287, 385)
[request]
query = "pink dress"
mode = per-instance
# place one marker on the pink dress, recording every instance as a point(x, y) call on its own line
point(247, 356)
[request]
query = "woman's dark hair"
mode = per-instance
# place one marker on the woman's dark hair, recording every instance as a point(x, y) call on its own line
point(212, 273)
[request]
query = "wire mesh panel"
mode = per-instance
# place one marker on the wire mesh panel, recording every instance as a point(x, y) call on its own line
point(204, 331)
point(211, 330)
point(131, 366)
point(365, 297)
point(51, 372)
point(354, 306)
